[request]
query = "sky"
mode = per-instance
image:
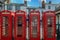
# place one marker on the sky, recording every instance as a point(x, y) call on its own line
point(34, 3)
point(54, 1)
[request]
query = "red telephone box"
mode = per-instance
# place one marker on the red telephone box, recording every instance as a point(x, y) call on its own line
point(20, 25)
point(34, 25)
point(49, 25)
point(6, 25)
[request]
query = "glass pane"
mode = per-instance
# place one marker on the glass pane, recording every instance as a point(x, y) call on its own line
point(59, 24)
point(50, 28)
point(9, 7)
point(5, 26)
point(59, 28)
point(17, 7)
point(19, 26)
point(56, 20)
point(59, 32)
point(59, 19)
point(34, 26)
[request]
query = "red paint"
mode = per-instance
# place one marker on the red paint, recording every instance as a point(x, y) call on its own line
point(31, 37)
point(52, 26)
point(4, 36)
point(21, 36)
point(0, 25)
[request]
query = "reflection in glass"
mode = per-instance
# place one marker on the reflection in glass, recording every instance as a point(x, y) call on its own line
point(34, 26)
point(50, 27)
point(5, 26)
point(19, 26)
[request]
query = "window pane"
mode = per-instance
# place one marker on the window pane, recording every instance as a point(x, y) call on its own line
point(34, 24)
point(50, 27)
point(5, 26)
point(17, 7)
point(9, 7)
point(19, 26)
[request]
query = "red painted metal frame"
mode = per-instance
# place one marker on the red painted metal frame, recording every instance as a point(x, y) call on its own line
point(45, 18)
point(24, 26)
point(38, 26)
point(9, 37)
point(0, 25)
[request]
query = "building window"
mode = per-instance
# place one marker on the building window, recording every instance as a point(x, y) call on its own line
point(49, 7)
point(9, 7)
point(17, 7)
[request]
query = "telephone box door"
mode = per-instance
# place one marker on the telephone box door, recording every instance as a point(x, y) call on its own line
point(49, 24)
point(20, 25)
point(6, 25)
point(34, 25)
